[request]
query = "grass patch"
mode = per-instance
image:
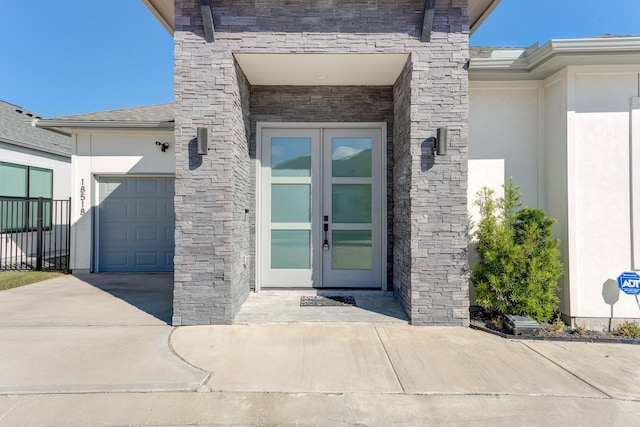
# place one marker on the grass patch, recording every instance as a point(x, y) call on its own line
point(14, 279)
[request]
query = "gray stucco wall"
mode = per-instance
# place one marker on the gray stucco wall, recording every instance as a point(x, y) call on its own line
point(213, 233)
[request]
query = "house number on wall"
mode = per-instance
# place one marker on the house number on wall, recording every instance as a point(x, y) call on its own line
point(82, 197)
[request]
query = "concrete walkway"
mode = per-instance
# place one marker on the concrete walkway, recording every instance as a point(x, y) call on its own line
point(97, 352)
point(66, 335)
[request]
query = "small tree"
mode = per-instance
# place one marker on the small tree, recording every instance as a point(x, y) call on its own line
point(519, 268)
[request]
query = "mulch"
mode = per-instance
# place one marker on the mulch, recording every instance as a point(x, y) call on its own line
point(483, 322)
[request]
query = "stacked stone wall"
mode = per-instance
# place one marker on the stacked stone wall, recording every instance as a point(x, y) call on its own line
point(213, 234)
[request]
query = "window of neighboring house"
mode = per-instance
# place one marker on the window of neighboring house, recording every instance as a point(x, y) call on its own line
point(20, 188)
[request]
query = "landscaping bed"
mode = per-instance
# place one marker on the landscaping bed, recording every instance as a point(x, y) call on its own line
point(555, 331)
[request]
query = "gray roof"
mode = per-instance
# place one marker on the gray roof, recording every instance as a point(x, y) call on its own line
point(157, 112)
point(16, 129)
point(150, 116)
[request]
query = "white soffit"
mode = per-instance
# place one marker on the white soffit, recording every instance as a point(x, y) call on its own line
point(322, 69)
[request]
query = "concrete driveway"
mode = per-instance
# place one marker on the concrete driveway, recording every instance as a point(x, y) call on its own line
point(96, 350)
point(103, 332)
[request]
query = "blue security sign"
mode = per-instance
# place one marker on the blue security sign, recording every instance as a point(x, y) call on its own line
point(629, 282)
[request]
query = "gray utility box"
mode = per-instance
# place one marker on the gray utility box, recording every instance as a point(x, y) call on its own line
point(521, 325)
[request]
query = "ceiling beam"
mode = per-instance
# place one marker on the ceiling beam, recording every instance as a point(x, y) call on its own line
point(207, 19)
point(427, 21)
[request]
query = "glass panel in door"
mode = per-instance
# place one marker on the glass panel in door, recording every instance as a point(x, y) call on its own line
point(352, 206)
point(321, 186)
point(290, 164)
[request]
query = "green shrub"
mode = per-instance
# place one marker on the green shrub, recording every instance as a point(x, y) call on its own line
point(519, 268)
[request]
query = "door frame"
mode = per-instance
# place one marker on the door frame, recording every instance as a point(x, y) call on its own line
point(382, 126)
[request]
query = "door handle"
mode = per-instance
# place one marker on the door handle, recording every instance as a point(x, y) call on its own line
point(325, 245)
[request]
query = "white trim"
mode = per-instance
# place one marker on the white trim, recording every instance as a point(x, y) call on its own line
point(573, 277)
point(504, 84)
point(541, 167)
point(261, 126)
point(635, 182)
point(541, 63)
point(604, 69)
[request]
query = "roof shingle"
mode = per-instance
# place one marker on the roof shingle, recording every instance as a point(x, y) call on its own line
point(16, 129)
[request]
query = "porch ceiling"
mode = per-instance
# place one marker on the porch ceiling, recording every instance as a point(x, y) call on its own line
point(163, 11)
point(266, 69)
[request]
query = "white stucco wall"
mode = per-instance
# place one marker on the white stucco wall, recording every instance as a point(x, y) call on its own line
point(567, 141)
point(504, 141)
point(61, 166)
point(504, 137)
point(15, 247)
point(601, 99)
point(101, 153)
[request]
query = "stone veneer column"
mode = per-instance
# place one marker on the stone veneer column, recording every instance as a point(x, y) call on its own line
point(439, 217)
point(430, 192)
point(212, 227)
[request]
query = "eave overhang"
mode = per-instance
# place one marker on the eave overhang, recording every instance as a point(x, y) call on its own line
point(35, 147)
point(70, 125)
point(556, 55)
point(163, 10)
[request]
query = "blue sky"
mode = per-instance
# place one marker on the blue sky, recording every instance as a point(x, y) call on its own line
point(62, 57)
point(521, 23)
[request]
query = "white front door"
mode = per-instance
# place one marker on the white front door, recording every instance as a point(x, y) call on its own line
point(321, 207)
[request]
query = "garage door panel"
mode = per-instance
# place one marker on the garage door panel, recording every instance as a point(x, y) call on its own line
point(136, 236)
point(115, 209)
point(116, 258)
point(147, 210)
point(146, 258)
point(117, 234)
point(168, 257)
point(147, 233)
point(148, 186)
point(114, 186)
point(169, 234)
point(136, 224)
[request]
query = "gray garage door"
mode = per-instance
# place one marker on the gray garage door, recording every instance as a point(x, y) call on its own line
point(135, 224)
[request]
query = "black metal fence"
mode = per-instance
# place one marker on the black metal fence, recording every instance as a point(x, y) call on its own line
point(34, 234)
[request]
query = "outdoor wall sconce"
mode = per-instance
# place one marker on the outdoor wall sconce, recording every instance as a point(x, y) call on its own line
point(163, 145)
point(441, 142)
point(203, 141)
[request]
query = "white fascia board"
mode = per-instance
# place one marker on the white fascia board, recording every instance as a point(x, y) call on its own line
point(483, 16)
point(164, 20)
point(73, 124)
point(35, 147)
point(498, 63)
point(554, 49)
point(584, 46)
point(505, 84)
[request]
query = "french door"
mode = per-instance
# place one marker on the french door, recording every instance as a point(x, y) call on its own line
point(321, 207)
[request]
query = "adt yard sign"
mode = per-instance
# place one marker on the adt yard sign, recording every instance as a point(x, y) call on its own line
point(629, 283)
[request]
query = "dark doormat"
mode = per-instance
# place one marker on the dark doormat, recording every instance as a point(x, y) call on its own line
point(321, 301)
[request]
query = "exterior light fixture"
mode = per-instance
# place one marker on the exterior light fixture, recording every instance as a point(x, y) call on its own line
point(203, 141)
point(441, 142)
point(163, 145)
